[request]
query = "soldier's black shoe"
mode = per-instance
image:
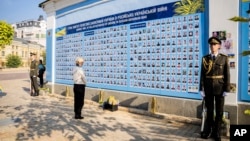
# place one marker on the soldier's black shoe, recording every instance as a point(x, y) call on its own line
point(37, 93)
point(216, 136)
point(31, 94)
point(204, 135)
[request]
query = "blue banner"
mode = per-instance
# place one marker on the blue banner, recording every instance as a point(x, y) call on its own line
point(145, 14)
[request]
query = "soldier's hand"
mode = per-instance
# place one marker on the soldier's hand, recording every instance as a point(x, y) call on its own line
point(225, 93)
point(202, 93)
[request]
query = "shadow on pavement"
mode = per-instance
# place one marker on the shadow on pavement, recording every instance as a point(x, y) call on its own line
point(2, 94)
point(43, 116)
point(27, 90)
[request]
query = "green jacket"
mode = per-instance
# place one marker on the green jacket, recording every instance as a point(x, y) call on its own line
point(215, 75)
point(34, 68)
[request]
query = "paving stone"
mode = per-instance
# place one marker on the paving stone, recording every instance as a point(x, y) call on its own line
point(51, 118)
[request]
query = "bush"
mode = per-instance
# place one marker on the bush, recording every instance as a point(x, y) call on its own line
point(13, 61)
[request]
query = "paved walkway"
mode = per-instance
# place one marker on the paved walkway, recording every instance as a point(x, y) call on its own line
point(50, 118)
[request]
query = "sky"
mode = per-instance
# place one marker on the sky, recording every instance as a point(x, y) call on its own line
point(13, 11)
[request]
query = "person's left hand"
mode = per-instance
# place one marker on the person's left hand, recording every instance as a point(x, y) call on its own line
point(225, 94)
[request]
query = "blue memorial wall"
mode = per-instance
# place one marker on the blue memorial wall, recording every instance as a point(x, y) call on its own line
point(244, 61)
point(149, 50)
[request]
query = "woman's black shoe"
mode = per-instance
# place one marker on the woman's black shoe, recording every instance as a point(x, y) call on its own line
point(79, 117)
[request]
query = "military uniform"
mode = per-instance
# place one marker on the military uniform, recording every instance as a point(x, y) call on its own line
point(33, 77)
point(215, 80)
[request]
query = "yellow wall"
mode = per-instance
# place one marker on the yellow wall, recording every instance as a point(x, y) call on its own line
point(22, 50)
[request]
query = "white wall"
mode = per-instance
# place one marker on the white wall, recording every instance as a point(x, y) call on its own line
point(219, 13)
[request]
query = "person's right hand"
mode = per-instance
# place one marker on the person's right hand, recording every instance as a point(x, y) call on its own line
point(224, 93)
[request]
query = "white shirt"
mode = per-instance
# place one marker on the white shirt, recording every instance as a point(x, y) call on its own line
point(79, 76)
point(214, 54)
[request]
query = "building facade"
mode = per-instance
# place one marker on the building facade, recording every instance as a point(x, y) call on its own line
point(30, 36)
point(31, 30)
point(21, 48)
point(138, 50)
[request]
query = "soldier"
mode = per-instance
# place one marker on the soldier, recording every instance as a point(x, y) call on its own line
point(33, 75)
point(215, 83)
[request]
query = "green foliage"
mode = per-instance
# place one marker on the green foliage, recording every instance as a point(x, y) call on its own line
point(239, 19)
point(245, 0)
point(242, 19)
point(245, 53)
point(6, 34)
point(13, 61)
point(186, 7)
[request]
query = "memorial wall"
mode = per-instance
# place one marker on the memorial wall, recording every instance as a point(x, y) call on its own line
point(149, 50)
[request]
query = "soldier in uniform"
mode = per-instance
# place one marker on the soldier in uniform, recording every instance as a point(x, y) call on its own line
point(215, 83)
point(33, 75)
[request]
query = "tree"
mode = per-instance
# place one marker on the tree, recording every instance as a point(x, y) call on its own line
point(6, 34)
point(13, 61)
point(186, 7)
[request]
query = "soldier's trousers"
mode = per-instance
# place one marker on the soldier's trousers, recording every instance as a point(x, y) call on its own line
point(214, 121)
point(34, 85)
point(79, 93)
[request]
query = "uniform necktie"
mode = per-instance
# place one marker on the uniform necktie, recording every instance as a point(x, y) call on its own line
point(213, 57)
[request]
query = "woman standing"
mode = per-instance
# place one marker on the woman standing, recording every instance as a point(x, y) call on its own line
point(79, 87)
point(41, 71)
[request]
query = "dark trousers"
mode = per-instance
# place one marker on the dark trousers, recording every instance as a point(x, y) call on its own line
point(212, 122)
point(41, 79)
point(34, 86)
point(79, 93)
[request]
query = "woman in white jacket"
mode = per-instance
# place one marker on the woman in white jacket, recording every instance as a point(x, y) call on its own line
point(79, 87)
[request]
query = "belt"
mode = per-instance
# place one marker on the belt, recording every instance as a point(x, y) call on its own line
point(215, 76)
